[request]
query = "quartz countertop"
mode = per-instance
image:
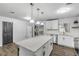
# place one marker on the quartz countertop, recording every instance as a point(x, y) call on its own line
point(33, 44)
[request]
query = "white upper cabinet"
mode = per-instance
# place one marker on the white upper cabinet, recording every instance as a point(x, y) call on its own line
point(50, 25)
point(54, 24)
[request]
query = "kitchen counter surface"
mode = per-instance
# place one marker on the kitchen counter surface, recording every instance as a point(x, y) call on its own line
point(33, 44)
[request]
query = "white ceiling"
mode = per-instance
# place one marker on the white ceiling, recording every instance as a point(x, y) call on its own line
point(50, 10)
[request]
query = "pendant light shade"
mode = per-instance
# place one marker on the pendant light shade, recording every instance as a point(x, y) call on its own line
point(32, 21)
point(38, 22)
point(42, 23)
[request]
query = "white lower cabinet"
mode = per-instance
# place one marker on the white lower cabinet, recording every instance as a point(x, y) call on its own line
point(50, 46)
point(66, 41)
point(76, 43)
point(25, 52)
point(46, 49)
point(39, 52)
point(36, 46)
point(42, 51)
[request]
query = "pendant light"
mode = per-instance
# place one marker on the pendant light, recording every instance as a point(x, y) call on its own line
point(38, 22)
point(42, 14)
point(32, 21)
point(27, 18)
point(42, 23)
point(38, 12)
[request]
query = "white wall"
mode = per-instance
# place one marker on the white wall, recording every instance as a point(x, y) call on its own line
point(29, 31)
point(19, 28)
point(0, 34)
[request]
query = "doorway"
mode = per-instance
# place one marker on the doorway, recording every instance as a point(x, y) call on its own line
point(7, 32)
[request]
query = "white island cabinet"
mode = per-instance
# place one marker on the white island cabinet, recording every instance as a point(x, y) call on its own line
point(37, 46)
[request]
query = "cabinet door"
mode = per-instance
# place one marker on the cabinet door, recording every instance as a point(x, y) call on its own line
point(48, 47)
point(39, 52)
point(68, 41)
point(54, 24)
point(48, 25)
point(76, 43)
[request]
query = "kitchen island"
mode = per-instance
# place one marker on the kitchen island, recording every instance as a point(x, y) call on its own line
point(36, 46)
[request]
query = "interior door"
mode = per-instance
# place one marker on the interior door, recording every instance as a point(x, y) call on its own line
point(7, 32)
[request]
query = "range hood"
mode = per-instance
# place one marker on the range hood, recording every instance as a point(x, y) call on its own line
point(75, 24)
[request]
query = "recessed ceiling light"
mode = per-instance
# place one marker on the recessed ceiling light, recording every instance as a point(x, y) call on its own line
point(12, 12)
point(32, 21)
point(37, 22)
point(27, 18)
point(31, 4)
point(42, 12)
point(38, 9)
point(63, 10)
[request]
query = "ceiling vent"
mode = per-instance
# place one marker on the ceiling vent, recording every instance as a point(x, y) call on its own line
point(12, 12)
